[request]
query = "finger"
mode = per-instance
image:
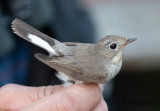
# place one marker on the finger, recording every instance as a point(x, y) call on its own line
point(14, 97)
point(101, 106)
point(25, 95)
point(73, 98)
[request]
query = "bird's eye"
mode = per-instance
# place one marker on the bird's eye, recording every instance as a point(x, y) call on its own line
point(113, 46)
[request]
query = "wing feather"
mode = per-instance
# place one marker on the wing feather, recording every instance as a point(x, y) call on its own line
point(65, 63)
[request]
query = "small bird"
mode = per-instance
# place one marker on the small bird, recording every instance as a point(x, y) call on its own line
point(77, 62)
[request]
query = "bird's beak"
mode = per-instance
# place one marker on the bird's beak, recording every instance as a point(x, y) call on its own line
point(129, 41)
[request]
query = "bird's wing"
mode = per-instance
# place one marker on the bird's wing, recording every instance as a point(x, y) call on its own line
point(62, 64)
point(71, 43)
point(76, 43)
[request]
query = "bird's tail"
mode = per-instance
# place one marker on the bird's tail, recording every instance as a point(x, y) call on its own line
point(36, 37)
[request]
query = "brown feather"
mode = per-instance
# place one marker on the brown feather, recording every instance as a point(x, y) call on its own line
point(23, 29)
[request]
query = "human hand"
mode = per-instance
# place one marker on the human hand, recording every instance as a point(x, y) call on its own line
point(77, 97)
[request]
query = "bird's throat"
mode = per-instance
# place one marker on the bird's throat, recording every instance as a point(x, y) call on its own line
point(117, 59)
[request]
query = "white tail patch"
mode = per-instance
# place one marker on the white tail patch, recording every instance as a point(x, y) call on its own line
point(40, 42)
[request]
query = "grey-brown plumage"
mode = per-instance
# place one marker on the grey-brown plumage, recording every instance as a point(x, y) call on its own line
point(22, 29)
point(89, 63)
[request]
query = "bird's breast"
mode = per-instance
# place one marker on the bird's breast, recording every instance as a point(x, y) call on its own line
point(112, 70)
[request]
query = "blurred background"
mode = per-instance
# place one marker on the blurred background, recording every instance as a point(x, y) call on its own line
point(136, 88)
